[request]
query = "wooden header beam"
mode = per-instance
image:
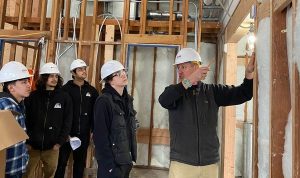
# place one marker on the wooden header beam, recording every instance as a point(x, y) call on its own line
point(24, 34)
point(237, 18)
point(153, 39)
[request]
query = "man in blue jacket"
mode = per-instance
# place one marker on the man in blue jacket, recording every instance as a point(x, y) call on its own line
point(48, 121)
point(16, 86)
point(193, 115)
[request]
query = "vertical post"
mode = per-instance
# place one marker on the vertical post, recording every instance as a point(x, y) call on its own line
point(229, 115)
point(171, 18)
point(125, 23)
point(82, 21)
point(67, 19)
point(200, 11)
point(3, 5)
point(280, 88)
point(143, 19)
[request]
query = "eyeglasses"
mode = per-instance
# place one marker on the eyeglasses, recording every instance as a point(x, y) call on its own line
point(120, 72)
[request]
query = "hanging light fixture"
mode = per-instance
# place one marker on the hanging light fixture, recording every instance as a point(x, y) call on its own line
point(251, 38)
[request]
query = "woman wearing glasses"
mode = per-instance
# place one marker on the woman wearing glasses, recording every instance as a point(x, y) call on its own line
point(114, 124)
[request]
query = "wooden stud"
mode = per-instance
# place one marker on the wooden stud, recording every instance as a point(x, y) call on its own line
point(3, 5)
point(159, 136)
point(35, 8)
point(125, 23)
point(152, 107)
point(229, 115)
point(21, 14)
point(28, 8)
point(143, 18)
point(295, 122)
point(199, 25)
point(12, 55)
point(82, 27)
point(133, 71)
point(92, 46)
point(280, 88)
point(67, 19)
point(43, 14)
point(171, 18)
point(109, 36)
point(183, 27)
point(53, 29)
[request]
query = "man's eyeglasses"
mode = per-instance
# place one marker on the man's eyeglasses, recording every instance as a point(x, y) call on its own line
point(119, 73)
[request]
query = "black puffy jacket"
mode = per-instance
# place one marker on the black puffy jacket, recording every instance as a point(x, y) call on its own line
point(115, 128)
point(193, 118)
point(48, 118)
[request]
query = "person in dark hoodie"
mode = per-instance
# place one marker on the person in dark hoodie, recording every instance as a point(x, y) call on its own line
point(193, 115)
point(83, 97)
point(115, 124)
point(48, 121)
point(14, 77)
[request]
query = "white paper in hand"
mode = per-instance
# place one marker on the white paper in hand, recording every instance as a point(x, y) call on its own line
point(75, 142)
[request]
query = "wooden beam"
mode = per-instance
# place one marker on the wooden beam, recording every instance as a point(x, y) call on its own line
point(109, 36)
point(43, 14)
point(21, 14)
point(67, 19)
point(92, 56)
point(36, 7)
point(82, 23)
point(53, 29)
point(159, 136)
point(280, 88)
point(28, 8)
point(184, 26)
point(154, 39)
point(125, 23)
point(199, 26)
point(237, 18)
point(171, 18)
point(295, 122)
point(279, 5)
point(143, 18)
point(3, 5)
point(12, 54)
point(229, 115)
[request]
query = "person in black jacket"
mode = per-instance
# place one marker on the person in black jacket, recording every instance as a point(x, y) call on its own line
point(83, 97)
point(115, 124)
point(193, 115)
point(48, 121)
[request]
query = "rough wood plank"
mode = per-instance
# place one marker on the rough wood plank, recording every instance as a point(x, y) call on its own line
point(43, 14)
point(280, 88)
point(229, 115)
point(159, 136)
point(21, 14)
point(296, 122)
point(143, 18)
point(199, 25)
point(125, 23)
point(184, 26)
point(28, 8)
point(36, 8)
point(24, 34)
point(171, 18)
point(67, 19)
point(109, 36)
point(279, 5)
point(82, 23)
point(238, 17)
point(154, 39)
point(12, 54)
point(3, 5)
point(53, 29)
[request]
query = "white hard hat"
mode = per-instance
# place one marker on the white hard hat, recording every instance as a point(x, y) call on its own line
point(110, 67)
point(77, 63)
point(49, 68)
point(187, 55)
point(13, 71)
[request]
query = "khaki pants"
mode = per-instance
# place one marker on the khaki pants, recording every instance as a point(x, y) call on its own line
point(181, 170)
point(49, 159)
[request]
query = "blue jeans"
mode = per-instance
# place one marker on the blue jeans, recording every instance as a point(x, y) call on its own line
point(14, 176)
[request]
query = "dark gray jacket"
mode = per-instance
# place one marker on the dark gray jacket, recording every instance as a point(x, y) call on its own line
point(193, 118)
